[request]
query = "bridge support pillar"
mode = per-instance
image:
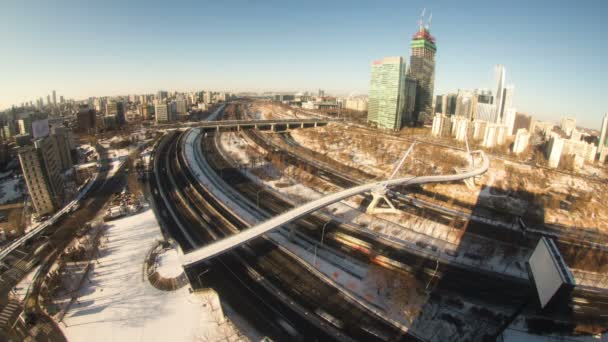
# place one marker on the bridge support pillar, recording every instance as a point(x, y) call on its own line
point(378, 197)
point(272, 127)
point(315, 125)
point(302, 125)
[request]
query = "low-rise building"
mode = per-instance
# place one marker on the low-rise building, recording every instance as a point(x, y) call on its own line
point(356, 103)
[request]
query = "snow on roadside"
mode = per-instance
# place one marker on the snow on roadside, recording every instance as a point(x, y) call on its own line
point(11, 189)
point(119, 304)
point(168, 263)
point(23, 286)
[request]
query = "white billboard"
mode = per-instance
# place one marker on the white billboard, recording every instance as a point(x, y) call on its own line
point(40, 128)
point(549, 270)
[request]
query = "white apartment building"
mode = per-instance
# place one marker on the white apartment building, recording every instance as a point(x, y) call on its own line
point(522, 139)
point(162, 112)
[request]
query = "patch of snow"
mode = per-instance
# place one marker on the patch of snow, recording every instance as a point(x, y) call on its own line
point(11, 189)
point(119, 304)
point(516, 335)
point(23, 286)
point(168, 263)
point(5, 174)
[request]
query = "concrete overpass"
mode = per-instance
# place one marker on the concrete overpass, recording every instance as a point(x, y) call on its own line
point(237, 125)
point(236, 240)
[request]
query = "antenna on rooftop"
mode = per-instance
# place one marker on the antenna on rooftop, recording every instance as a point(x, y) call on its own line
point(428, 23)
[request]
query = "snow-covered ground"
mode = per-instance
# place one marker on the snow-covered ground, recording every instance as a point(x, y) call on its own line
point(119, 304)
point(168, 263)
point(23, 286)
point(11, 189)
point(513, 335)
point(518, 332)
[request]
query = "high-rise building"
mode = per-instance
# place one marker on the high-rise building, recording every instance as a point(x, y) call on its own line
point(86, 119)
point(522, 138)
point(509, 119)
point(207, 98)
point(442, 125)
point(522, 121)
point(422, 68)
point(54, 98)
point(162, 95)
point(25, 125)
point(162, 112)
point(62, 139)
point(499, 72)
point(507, 100)
point(465, 101)
point(180, 106)
point(117, 110)
point(461, 127)
point(446, 104)
point(603, 143)
point(410, 102)
point(41, 167)
point(48, 100)
point(568, 125)
point(486, 112)
point(387, 93)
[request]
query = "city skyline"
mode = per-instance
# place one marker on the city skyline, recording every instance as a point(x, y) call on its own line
point(111, 50)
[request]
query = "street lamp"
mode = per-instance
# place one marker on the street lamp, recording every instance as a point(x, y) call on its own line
point(322, 235)
point(200, 282)
point(257, 197)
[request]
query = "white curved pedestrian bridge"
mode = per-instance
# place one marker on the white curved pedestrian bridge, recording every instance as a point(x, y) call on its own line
point(226, 244)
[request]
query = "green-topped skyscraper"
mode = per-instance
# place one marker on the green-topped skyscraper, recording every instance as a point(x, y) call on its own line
point(387, 97)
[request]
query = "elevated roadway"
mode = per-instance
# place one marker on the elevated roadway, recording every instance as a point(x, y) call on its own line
point(237, 125)
point(236, 240)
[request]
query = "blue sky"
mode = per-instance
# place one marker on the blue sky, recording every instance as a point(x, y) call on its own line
point(555, 53)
